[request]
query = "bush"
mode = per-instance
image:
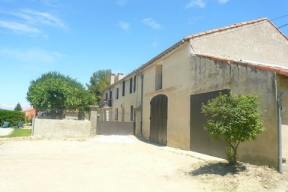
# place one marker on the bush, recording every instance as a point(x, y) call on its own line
point(234, 119)
point(11, 116)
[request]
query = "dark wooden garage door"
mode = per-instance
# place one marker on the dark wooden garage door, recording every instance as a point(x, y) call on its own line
point(199, 137)
point(158, 119)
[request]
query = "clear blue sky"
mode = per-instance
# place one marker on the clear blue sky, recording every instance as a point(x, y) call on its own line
point(77, 38)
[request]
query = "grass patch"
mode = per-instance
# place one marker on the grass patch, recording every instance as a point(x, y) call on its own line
point(19, 133)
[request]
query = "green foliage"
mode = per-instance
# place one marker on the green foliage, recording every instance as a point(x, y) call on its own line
point(28, 121)
point(11, 116)
point(18, 107)
point(233, 118)
point(56, 91)
point(98, 82)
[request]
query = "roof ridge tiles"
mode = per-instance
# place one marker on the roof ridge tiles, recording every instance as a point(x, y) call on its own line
point(227, 28)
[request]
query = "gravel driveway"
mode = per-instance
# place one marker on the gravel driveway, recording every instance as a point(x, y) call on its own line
point(102, 163)
point(123, 164)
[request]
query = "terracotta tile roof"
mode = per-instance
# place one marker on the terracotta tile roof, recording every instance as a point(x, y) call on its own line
point(254, 65)
point(231, 27)
point(30, 113)
point(187, 38)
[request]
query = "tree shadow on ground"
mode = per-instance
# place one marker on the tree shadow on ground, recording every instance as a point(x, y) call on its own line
point(141, 138)
point(218, 168)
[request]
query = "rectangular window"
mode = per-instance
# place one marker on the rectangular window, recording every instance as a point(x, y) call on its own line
point(158, 77)
point(117, 93)
point(116, 114)
point(123, 88)
point(134, 89)
point(106, 97)
point(131, 86)
point(131, 113)
point(110, 99)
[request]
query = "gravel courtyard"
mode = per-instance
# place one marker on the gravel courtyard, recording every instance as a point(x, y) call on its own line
point(118, 163)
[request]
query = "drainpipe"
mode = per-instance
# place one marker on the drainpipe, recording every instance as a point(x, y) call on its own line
point(142, 78)
point(280, 129)
point(141, 118)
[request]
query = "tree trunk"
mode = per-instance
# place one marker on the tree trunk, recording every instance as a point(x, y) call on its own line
point(234, 155)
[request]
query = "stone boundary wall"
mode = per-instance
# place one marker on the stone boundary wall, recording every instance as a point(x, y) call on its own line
point(53, 128)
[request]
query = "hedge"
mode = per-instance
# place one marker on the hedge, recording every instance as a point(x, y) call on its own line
point(11, 116)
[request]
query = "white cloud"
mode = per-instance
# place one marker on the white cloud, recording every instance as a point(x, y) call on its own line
point(195, 3)
point(36, 17)
point(193, 20)
point(19, 27)
point(222, 1)
point(30, 21)
point(150, 22)
point(154, 44)
point(49, 2)
point(121, 2)
point(9, 106)
point(8, 1)
point(25, 106)
point(32, 55)
point(124, 25)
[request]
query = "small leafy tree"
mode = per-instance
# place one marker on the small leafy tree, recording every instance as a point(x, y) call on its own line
point(18, 107)
point(98, 82)
point(56, 91)
point(233, 118)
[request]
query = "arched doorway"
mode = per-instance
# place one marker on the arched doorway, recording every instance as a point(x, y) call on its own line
point(158, 119)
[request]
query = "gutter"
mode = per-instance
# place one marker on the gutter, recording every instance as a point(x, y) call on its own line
point(141, 98)
point(141, 122)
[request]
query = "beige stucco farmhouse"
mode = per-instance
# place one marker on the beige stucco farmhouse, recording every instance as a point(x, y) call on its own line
point(163, 97)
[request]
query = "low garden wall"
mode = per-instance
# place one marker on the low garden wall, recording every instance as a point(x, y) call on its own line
point(62, 128)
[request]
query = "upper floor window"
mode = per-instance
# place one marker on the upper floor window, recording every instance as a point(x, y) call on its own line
point(158, 77)
point(134, 88)
point(131, 85)
point(110, 99)
point(117, 93)
point(123, 88)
